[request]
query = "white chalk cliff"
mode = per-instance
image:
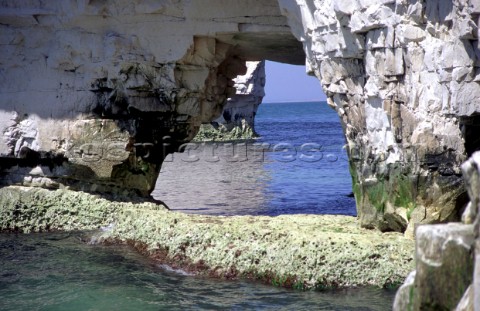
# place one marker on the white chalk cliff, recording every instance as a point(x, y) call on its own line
point(404, 78)
point(94, 94)
point(237, 120)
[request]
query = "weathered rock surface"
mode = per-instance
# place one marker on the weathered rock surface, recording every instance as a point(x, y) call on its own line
point(444, 256)
point(403, 77)
point(444, 268)
point(94, 94)
point(27, 209)
point(404, 296)
point(237, 120)
point(447, 258)
point(301, 251)
point(466, 303)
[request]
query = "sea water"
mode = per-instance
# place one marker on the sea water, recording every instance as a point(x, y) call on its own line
point(299, 165)
point(268, 176)
point(59, 271)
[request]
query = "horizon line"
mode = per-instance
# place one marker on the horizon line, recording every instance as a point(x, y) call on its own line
point(295, 101)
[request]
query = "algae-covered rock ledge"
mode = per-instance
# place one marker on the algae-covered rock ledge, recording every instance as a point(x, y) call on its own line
point(302, 251)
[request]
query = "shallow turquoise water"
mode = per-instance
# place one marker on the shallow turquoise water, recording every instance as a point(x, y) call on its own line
point(58, 271)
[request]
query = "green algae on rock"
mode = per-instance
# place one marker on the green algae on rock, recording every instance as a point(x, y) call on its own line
point(300, 251)
point(221, 133)
point(27, 210)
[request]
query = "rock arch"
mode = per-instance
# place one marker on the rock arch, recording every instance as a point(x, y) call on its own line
point(101, 91)
point(401, 75)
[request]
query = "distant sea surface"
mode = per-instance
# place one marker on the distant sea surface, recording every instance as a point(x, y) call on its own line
point(297, 166)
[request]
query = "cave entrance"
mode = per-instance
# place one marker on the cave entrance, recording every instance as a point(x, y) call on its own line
point(471, 133)
point(297, 165)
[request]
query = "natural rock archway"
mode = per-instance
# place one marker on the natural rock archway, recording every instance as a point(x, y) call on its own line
point(94, 94)
point(401, 75)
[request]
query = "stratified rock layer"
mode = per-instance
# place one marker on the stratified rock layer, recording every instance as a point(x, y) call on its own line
point(94, 94)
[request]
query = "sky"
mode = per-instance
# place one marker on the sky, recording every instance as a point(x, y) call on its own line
point(289, 83)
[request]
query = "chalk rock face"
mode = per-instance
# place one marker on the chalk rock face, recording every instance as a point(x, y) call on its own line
point(237, 120)
point(404, 79)
point(447, 275)
point(471, 172)
point(94, 94)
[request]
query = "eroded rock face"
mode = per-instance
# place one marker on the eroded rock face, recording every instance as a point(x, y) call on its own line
point(471, 171)
point(444, 260)
point(447, 275)
point(403, 77)
point(444, 269)
point(237, 120)
point(94, 94)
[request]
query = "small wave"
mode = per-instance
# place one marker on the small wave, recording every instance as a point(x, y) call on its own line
point(107, 228)
point(176, 271)
point(98, 236)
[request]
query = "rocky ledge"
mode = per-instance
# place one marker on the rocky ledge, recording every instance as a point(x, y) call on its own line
point(294, 251)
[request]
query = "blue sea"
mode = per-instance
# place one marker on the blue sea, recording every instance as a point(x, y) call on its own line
point(317, 180)
point(298, 165)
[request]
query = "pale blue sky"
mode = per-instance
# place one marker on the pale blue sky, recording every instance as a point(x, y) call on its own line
point(287, 83)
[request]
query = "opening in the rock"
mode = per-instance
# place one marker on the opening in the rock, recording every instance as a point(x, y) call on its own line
point(296, 165)
point(471, 133)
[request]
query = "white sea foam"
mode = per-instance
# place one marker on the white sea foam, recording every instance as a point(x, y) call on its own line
point(177, 271)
